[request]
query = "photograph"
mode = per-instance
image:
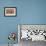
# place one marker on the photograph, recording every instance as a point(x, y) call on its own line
point(10, 11)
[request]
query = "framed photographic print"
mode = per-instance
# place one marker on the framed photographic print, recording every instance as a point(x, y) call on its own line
point(10, 11)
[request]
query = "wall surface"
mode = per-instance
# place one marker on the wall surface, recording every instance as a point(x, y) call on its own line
point(33, 12)
point(28, 12)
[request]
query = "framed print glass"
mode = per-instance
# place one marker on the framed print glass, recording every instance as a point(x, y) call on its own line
point(10, 11)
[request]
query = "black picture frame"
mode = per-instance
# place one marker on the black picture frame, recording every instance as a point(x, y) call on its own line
point(12, 15)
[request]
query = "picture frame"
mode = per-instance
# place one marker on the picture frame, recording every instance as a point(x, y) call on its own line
point(10, 11)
